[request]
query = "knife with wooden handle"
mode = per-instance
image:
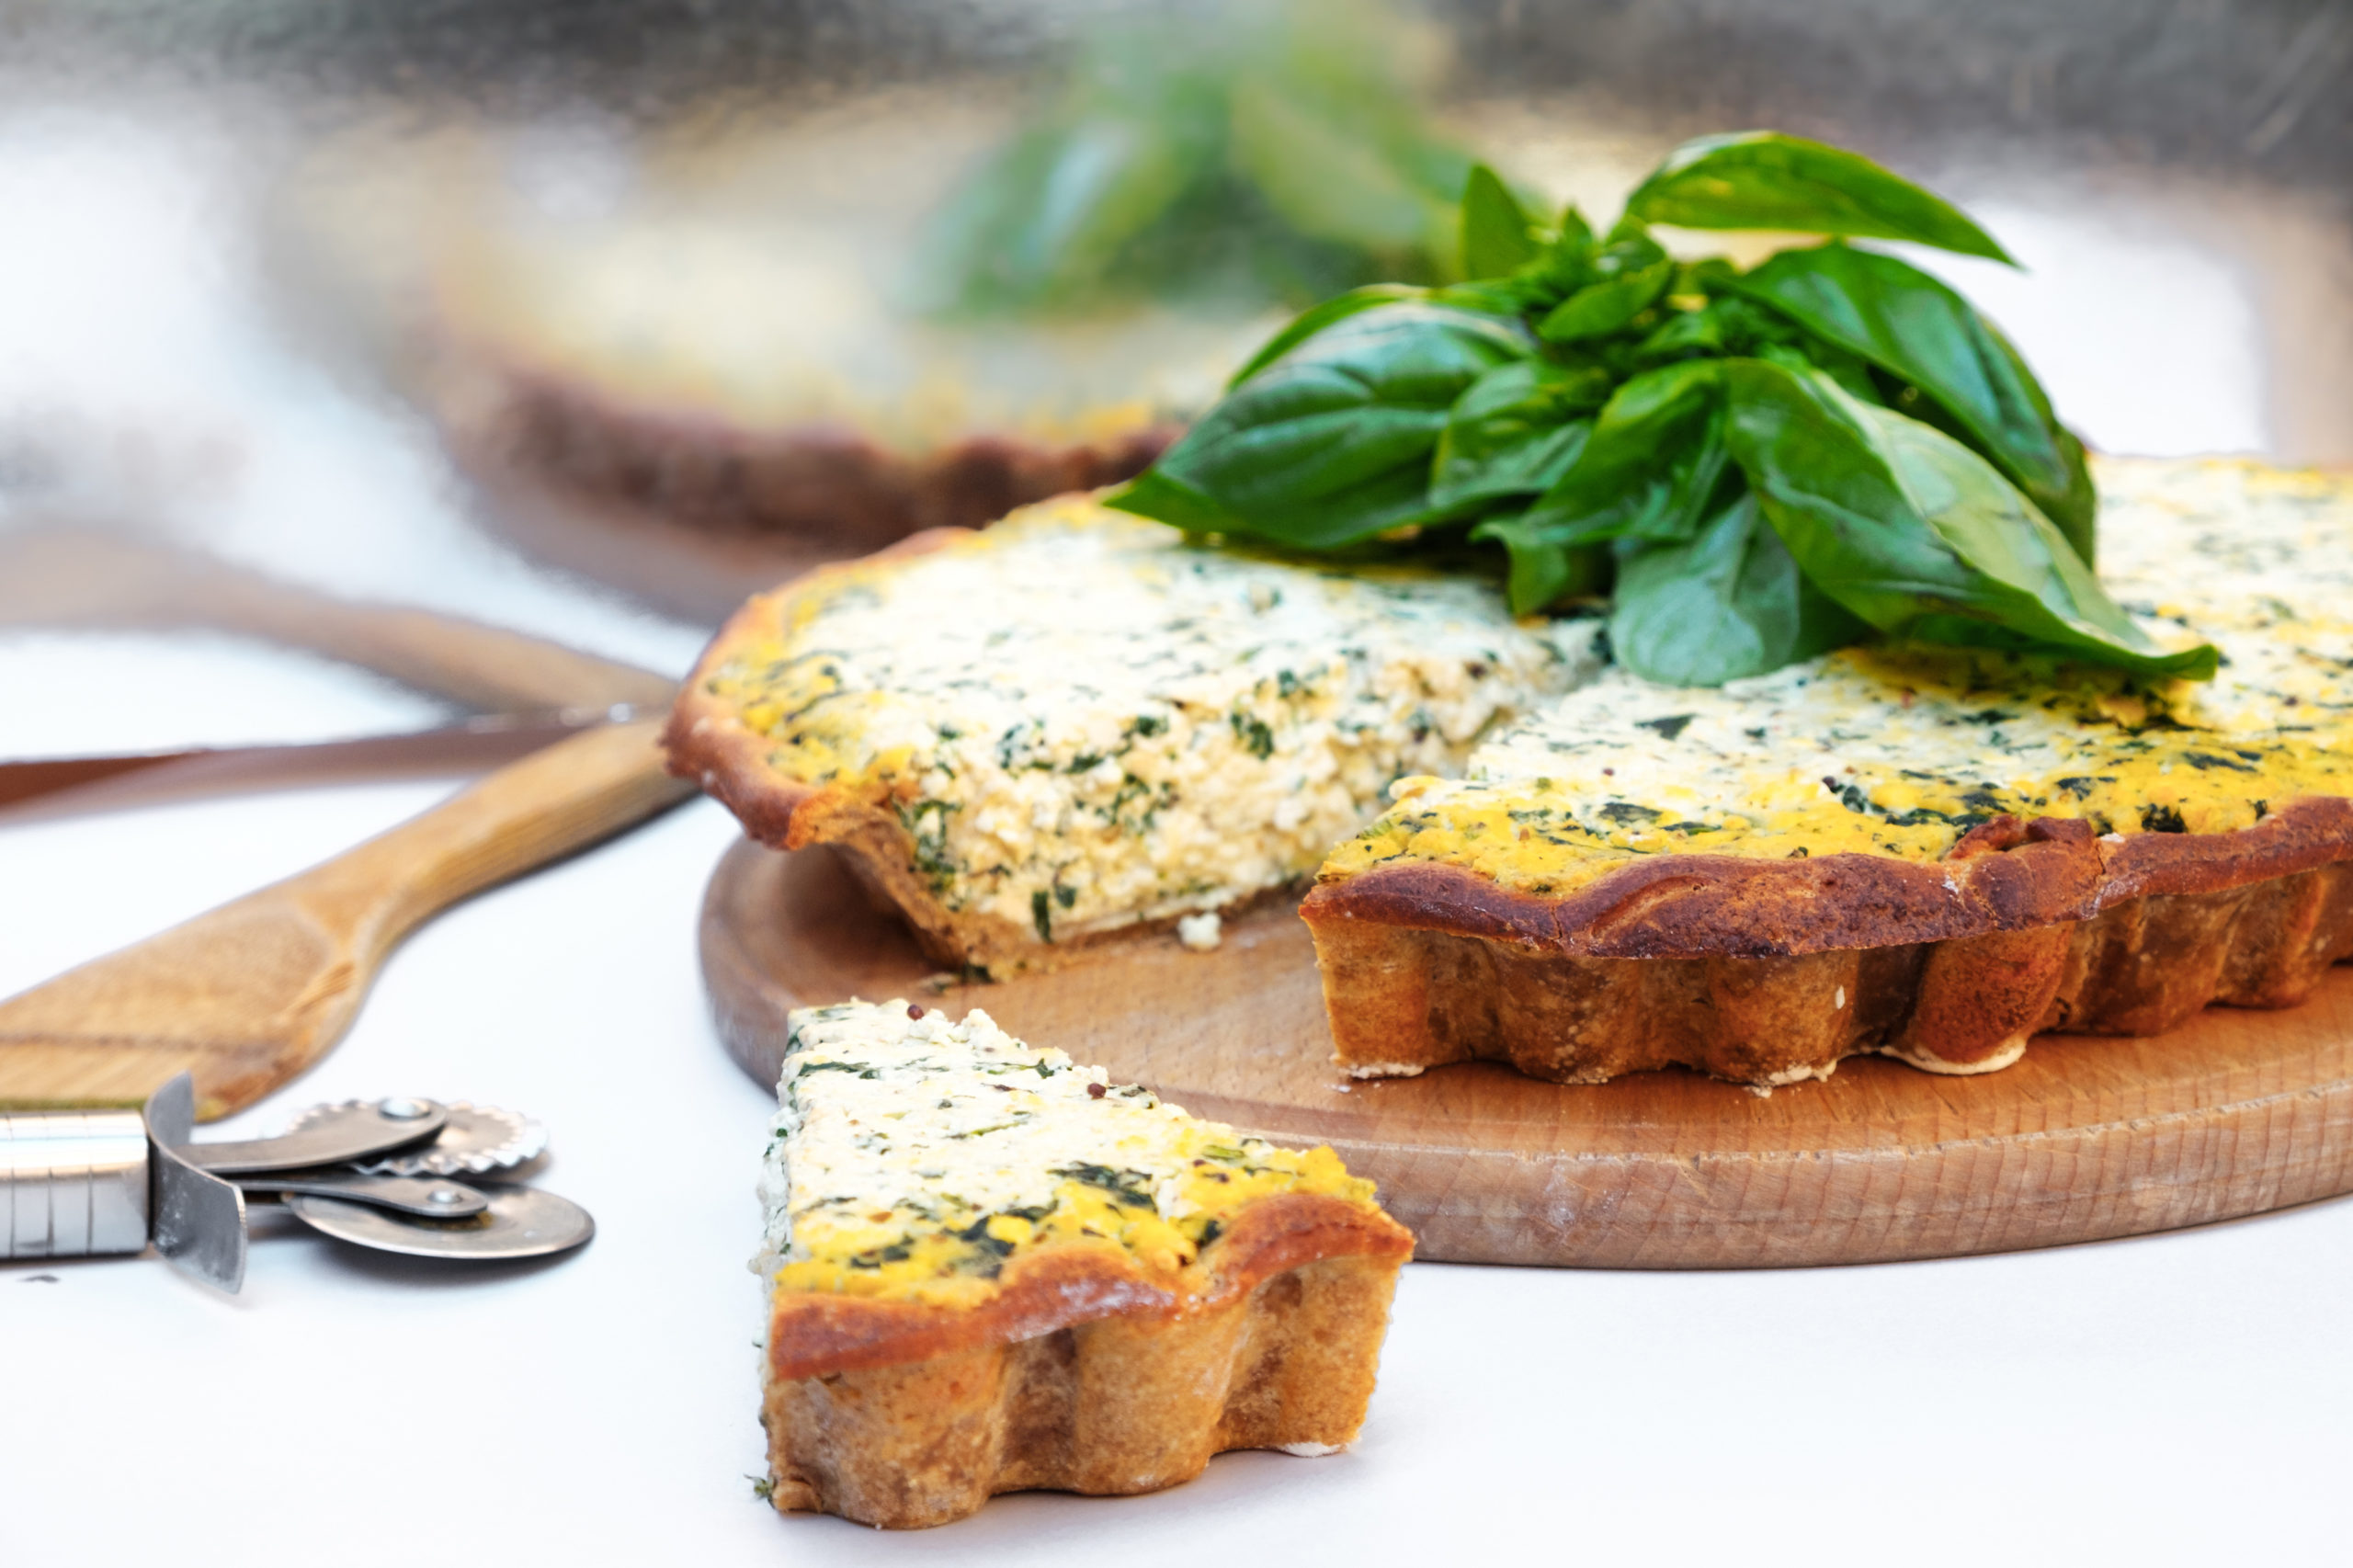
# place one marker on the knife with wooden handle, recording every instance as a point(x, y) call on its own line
point(248, 996)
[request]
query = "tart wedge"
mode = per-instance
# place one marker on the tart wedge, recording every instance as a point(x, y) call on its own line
point(1077, 722)
point(991, 1269)
point(1931, 853)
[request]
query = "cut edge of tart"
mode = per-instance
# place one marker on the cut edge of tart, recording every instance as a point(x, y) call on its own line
point(990, 1269)
point(1976, 854)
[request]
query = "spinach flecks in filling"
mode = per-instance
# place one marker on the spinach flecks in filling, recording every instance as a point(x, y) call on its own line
point(1125, 1186)
point(1256, 737)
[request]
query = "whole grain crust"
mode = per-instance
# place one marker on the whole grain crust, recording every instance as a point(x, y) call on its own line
point(707, 740)
point(1769, 971)
point(1083, 1373)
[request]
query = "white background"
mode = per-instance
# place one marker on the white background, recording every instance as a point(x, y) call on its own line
point(2182, 1398)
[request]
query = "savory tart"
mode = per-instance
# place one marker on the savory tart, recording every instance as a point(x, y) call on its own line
point(993, 1270)
point(1929, 852)
point(1076, 721)
point(757, 379)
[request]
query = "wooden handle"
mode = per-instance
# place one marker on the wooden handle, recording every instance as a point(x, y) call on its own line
point(557, 799)
point(251, 994)
point(90, 578)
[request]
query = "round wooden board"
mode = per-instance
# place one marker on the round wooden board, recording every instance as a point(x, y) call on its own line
point(2084, 1139)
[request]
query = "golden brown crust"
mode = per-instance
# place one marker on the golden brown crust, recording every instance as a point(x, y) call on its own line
point(1702, 905)
point(707, 740)
point(1766, 972)
point(828, 483)
point(1083, 1374)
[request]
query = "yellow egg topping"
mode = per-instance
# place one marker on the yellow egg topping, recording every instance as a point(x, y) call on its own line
point(1899, 750)
point(912, 1157)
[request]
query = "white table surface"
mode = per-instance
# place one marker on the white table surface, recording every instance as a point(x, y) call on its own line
point(2180, 1398)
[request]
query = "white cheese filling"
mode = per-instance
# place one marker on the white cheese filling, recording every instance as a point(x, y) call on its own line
point(1087, 720)
point(937, 1123)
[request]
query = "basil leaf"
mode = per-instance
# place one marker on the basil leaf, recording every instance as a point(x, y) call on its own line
point(1315, 318)
point(1235, 152)
point(1599, 309)
point(1651, 465)
point(1851, 371)
point(1153, 494)
point(1052, 214)
point(1330, 178)
point(1761, 179)
point(1685, 333)
point(1495, 295)
point(1706, 278)
point(1922, 333)
point(1543, 569)
point(1915, 533)
point(1498, 236)
point(2074, 505)
point(1628, 248)
point(1572, 235)
point(1557, 270)
point(1331, 443)
point(1726, 602)
point(1513, 431)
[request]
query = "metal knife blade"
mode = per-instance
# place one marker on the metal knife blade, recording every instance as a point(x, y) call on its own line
point(200, 1220)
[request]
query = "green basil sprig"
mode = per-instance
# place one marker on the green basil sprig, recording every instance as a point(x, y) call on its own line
point(1261, 150)
point(1767, 464)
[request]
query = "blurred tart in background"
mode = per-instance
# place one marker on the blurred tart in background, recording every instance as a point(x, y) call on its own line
point(922, 306)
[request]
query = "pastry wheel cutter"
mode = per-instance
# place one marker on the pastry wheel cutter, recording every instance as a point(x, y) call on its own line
point(382, 1175)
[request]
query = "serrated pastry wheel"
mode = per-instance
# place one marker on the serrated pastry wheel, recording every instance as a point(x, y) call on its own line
point(378, 1173)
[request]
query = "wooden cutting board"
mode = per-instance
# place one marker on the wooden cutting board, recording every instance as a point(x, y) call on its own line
point(2086, 1138)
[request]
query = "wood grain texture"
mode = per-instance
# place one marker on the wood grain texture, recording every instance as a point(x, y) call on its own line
point(2087, 1137)
point(249, 995)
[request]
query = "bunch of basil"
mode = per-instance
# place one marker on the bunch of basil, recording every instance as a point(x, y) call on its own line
point(1259, 149)
point(1768, 464)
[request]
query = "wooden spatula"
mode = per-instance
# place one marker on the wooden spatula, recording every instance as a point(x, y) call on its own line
point(251, 994)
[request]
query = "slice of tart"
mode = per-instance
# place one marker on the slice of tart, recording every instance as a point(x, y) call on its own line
point(993, 1270)
point(1932, 853)
point(1076, 721)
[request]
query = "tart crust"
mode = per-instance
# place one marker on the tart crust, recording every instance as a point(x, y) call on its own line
point(1083, 1372)
point(1767, 972)
point(827, 484)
